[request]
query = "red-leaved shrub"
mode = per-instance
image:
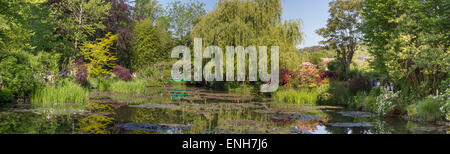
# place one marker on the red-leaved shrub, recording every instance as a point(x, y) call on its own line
point(284, 77)
point(81, 72)
point(122, 73)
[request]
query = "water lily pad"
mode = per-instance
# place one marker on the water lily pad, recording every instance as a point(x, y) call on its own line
point(153, 127)
point(357, 114)
point(338, 124)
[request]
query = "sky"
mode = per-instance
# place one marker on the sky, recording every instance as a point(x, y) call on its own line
point(313, 13)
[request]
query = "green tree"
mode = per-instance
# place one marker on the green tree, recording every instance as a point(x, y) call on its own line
point(147, 9)
point(78, 20)
point(257, 23)
point(98, 55)
point(181, 18)
point(342, 33)
point(409, 41)
point(149, 46)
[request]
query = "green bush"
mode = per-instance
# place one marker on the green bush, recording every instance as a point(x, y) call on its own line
point(358, 101)
point(429, 108)
point(5, 96)
point(316, 57)
point(386, 102)
point(336, 67)
point(17, 73)
point(336, 94)
point(64, 93)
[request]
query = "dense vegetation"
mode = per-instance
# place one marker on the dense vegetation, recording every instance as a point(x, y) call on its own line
point(55, 52)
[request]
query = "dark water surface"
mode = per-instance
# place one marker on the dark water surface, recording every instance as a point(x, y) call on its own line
point(200, 111)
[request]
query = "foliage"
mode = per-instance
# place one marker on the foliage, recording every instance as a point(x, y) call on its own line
point(137, 86)
point(120, 22)
point(5, 96)
point(79, 19)
point(409, 42)
point(429, 109)
point(285, 75)
point(157, 75)
point(98, 56)
point(386, 102)
point(342, 31)
point(257, 23)
point(316, 57)
point(337, 68)
point(359, 84)
point(182, 16)
point(122, 73)
point(147, 9)
point(149, 47)
point(81, 75)
point(17, 72)
point(47, 63)
point(305, 76)
point(64, 93)
point(96, 124)
point(337, 93)
point(302, 96)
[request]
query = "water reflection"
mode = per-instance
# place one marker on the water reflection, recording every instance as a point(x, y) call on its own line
point(200, 111)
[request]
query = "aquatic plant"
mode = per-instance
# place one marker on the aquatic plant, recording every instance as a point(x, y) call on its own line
point(302, 96)
point(429, 108)
point(67, 93)
point(137, 86)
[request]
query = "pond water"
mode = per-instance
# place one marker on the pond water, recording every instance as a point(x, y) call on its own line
point(201, 111)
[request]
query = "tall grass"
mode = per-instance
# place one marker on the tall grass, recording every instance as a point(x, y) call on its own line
point(137, 86)
point(429, 109)
point(300, 96)
point(66, 94)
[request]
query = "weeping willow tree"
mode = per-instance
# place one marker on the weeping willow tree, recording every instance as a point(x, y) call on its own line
point(251, 23)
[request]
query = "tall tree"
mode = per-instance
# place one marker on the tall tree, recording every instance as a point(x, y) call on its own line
point(410, 43)
point(342, 33)
point(147, 9)
point(150, 45)
point(120, 22)
point(182, 16)
point(245, 23)
point(78, 20)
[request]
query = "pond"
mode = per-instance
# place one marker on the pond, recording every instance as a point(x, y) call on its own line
point(202, 111)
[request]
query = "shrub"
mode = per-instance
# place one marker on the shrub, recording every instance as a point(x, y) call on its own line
point(336, 67)
point(429, 108)
point(122, 73)
point(316, 57)
point(157, 75)
point(98, 55)
point(5, 96)
point(386, 102)
point(64, 93)
point(305, 76)
point(359, 84)
point(17, 73)
point(445, 110)
point(336, 94)
point(284, 77)
point(81, 72)
point(358, 101)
